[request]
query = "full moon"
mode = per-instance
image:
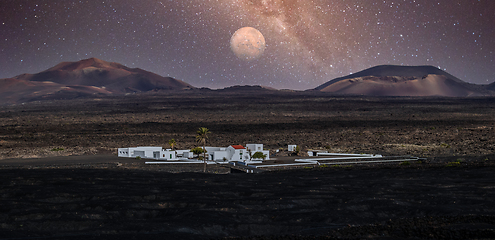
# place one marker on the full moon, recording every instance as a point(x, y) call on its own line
point(247, 43)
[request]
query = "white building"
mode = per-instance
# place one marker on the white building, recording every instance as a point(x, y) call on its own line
point(147, 152)
point(240, 153)
point(143, 152)
point(167, 154)
point(253, 148)
point(237, 153)
point(185, 153)
point(217, 153)
point(292, 148)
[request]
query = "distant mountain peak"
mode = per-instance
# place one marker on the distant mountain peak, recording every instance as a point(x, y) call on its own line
point(394, 80)
point(85, 63)
point(84, 78)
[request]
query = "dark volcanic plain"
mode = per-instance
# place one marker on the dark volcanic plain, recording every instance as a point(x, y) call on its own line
point(450, 195)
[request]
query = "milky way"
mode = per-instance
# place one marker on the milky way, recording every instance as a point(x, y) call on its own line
point(308, 42)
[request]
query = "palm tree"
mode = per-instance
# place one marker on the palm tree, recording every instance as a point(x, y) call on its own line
point(201, 138)
point(172, 143)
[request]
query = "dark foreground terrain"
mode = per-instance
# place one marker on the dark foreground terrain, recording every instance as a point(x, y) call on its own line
point(421, 200)
point(96, 195)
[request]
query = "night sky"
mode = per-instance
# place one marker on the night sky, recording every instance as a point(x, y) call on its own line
point(308, 42)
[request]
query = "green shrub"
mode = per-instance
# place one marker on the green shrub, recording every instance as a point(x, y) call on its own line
point(138, 158)
point(197, 150)
point(453, 164)
point(324, 165)
point(298, 149)
point(57, 149)
point(258, 155)
point(405, 163)
point(445, 145)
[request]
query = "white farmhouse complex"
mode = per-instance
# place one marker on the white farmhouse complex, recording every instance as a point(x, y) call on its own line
point(230, 153)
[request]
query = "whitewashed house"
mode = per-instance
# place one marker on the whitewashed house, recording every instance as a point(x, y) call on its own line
point(292, 148)
point(166, 154)
point(237, 153)
point(147, 152)
point(185, 153)
point(253, 148)
point(217, 153)
point(124, 152)
point(143, 152)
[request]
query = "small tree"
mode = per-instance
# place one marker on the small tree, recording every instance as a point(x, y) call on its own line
point(201, 138)
point(297, 150)
point(197, 150)
point(258, 155)
point(172, 143)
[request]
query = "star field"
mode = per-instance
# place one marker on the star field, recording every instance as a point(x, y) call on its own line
point(308, 42)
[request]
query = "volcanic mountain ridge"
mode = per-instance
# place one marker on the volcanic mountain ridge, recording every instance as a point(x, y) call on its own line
point(87, 77)
point(390, 80)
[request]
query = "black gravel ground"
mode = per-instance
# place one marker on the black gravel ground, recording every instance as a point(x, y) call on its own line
point(417, 201)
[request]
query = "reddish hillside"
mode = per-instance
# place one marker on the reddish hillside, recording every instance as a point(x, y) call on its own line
point(15, 90)
point(113, 76)
point(403, 81)
point(87, 77)
point(431, 85)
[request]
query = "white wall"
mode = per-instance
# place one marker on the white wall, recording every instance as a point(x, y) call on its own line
point(143, 152)
point(219, 155)
point(124, 152)
point(181, 152)
point(167, 155)
point(255, 147)
point(188, 154)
